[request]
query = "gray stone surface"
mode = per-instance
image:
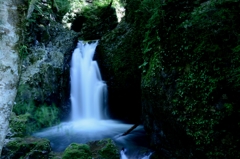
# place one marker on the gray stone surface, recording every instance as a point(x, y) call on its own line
point(8, 63)
point(43, 78)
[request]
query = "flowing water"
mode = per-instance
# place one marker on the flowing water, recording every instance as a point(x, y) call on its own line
point(88, 116)
point(88, 91)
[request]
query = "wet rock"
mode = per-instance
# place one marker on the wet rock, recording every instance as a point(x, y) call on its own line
point(17, 125)
point(119, 64)
point(29, 147)
point(45, 69)
point(8, 62)
point(77, 151)
point(104, 149)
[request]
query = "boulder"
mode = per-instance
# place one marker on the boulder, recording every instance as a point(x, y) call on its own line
point(17, 125)
point(28, 147)
point(77, 151)
point(104, 149)
point(101, 149)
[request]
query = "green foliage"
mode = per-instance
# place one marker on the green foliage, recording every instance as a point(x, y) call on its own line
point(46, 116)
point(114, 3)
point(104, 149)
point(39, 14)
point(191, 68)
point(109, 151)
point(99, 19)
point(39, 117)
point(62, 6)
point(23, 51)
point(121, 56)
point(101, 2)
point(77, 151)
point(23, 108)
point(28, 147)
point(17, 125)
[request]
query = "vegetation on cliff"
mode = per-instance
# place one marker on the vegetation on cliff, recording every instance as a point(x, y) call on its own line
point(179, 59)
point(189, 54)
point(119, 57)
point(45, 49)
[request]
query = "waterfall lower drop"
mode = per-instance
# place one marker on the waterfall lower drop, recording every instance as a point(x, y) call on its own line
point(88, 91)
point(88, 119)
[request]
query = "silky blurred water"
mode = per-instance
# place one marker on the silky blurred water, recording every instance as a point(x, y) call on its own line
point(135, 143)
point(88, 101)
point(88, 90)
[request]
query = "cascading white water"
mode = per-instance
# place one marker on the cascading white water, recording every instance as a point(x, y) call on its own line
point(88, 99)
point(87, 88)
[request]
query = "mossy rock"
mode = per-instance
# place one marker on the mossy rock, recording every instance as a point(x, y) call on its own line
point(55, 155)
point(119, 62)
point(77, 151)
point(181, 90)
point(104, 149)
point(29, 147)
point(17, 125)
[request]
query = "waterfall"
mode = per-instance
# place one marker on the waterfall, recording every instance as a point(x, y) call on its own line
point(88, 91)
point(88, 99)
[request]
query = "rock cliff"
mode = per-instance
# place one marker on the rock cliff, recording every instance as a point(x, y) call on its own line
point(8, 62)
point(187, 53)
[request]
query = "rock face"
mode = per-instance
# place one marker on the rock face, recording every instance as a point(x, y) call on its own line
point(44, 81)
point(119, 63)
point(17, 125)
point(192, 91)
point(104, 149)
point(8, 62)
point(29, 147)
point(44, 67)
point(47, 54)
point(75, 151)
point(189, 84)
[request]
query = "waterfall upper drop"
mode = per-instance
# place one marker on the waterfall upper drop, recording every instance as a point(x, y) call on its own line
point(88, 91)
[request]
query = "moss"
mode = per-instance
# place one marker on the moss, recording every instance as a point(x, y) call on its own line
point(189, 83)
point(119, 59)
point(17, 125)
point(27, 147)
point(32, 117)
point(109, 151)
point(42, 47)
point(77, 151)
point(55, 155)
point(185, 83)
point(97, 21)
point(104, 149)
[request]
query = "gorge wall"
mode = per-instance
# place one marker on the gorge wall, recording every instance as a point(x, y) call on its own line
point(48, 38)
point(186, 55)
point(9, 61)
point(119, 59)
point(35, 65)
point(173, 65)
